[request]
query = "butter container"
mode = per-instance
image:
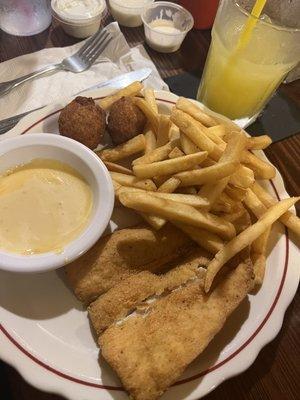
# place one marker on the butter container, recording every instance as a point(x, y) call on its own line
point(79, 18)
point(128, 13)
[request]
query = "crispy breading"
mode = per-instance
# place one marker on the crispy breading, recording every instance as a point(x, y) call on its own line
point(125, 252)
point(120, 299)
point(129, 293)
point(83, 120)
point(125, 120)
point(150, 352)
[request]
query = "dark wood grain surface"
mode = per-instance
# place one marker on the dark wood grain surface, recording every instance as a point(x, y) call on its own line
point(275, 373)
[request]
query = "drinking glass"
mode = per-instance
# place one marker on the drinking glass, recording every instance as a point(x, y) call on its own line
point(25, 17)
point(239, 78)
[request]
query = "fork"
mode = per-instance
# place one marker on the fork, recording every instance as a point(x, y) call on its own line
point(78, 62)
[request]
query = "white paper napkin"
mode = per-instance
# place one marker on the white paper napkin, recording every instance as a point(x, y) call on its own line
point(116, 59)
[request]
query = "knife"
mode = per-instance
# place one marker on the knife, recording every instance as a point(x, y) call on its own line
point(118, 82)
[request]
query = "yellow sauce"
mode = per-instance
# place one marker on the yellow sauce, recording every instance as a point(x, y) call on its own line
point(44, 205)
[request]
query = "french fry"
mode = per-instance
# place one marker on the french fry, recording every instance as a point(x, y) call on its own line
point(190, 199)
point(289, 219)
point(116, 186)
point(187, 145)
point(233, 216)
point(131, 90)
point(245, 238)
point(169, 167)
point(214, 134)
point(216, 139)
point(209, 241)
point(170, 185)
point(192, 109)
point(254, 204)
point(219, 207)
point(208, 174)
point(259, 267)
point(163, 130)
point(235, 193)
point(150, 99)
point(176, 152)
point(196, 132)
point(260, 244)
point(261, 169)
point(243, 177)
point(133, 181)
point(232, 153)
point(224, 198)
point(112, 167)
point(174, 132)
point(150, 141)
point(160, 180)
point(258, 142)
point(224, 204)
point(263, 195)
point(208, 162)
point(152, 116)
point(158, 154)
point(132, 146)
point(177, 212)
point(218, 130)
point(156, 222)
point(258, 257)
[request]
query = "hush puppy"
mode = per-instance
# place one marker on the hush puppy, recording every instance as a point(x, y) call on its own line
point(84, 121)
point(125, 120)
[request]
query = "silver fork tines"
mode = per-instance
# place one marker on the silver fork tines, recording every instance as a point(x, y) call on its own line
point(91, 42)
point(95, 46)
point(78, 62)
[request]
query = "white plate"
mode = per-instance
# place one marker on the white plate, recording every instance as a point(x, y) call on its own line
point(46, 335)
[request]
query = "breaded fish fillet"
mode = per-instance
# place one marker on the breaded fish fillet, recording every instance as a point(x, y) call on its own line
point(150, 352)
point(129, 293)
point(125, 252)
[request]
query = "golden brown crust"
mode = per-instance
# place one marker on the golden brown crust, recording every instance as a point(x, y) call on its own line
point(83, 120)
point(129, 293)
point(125, 252)
point(150, 353)
point(125, 120)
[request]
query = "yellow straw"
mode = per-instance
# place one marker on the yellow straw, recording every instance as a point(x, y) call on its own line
point(250, 24)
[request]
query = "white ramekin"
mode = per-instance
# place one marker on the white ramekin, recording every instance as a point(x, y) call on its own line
point(23, 149)
point(82, 27)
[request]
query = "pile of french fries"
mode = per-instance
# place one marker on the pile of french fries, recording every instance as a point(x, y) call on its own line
point(199, 173)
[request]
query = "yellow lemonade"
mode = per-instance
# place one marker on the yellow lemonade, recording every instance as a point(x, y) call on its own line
point(238, 84)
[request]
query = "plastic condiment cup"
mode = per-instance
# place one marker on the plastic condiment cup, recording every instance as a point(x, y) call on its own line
point(128, 13)
point(23, 149)
point(80, 25)
point(166, 25)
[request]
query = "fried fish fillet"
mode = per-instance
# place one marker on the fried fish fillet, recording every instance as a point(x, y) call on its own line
point(149, 352)
point(129, 293)
point(125, 252)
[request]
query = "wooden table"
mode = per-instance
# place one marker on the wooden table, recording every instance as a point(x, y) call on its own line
point(275, 373)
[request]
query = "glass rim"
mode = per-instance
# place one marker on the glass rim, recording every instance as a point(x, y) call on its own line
point(270, 24)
